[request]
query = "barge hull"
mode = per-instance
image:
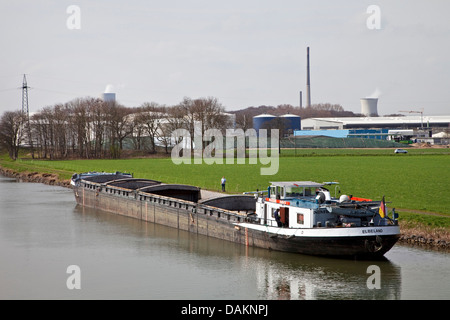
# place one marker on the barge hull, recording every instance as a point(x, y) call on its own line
point(364, 247)
point(171, 212)
point(223, 224)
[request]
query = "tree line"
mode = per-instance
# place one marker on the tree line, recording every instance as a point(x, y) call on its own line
point(92, 128)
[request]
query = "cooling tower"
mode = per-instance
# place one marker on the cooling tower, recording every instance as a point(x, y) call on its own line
point(369, 107)
point(109, 97)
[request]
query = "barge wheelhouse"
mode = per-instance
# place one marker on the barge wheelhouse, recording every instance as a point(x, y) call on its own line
point(315, 222)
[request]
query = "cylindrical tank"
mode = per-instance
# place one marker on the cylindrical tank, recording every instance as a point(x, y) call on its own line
point(291, 122)
point(260, 120)
point(369, 107)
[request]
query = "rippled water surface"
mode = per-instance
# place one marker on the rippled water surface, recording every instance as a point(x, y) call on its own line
point(43, 232)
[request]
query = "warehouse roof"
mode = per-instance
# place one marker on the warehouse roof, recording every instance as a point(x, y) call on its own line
point(353, 122)
point(398, 119)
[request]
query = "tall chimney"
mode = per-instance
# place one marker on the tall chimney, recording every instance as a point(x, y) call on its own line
point(308, 85)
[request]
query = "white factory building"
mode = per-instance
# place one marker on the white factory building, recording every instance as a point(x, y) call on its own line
point(428, 129)
point(406, 122)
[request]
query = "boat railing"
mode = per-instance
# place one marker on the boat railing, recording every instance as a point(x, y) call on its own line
point(271, 222)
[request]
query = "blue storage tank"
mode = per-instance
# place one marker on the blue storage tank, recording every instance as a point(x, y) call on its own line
point(291, 122)
point(260, 120)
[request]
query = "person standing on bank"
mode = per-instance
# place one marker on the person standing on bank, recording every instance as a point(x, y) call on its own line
point(222, 182)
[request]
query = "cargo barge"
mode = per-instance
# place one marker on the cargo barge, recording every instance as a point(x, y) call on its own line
point(298, 216)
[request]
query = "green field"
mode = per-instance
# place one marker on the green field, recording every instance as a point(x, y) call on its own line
point(419, 180)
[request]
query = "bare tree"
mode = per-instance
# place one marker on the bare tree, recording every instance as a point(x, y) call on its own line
point(98, 118)
point(80, 128)
point(39, 133)
point(187, 108)
point(12, 132)
point(175, 119)
point(53, 125)
point(48, 131)
point(60, 130)
point(244, 120)
point(206, 113)
point(172, 120)
point(211, 113)
point(150, 117)
point(137, 130)
point(117, 121)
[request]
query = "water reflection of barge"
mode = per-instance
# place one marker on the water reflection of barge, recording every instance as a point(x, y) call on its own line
point(310, 220)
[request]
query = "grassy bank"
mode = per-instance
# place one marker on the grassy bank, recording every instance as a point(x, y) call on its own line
point(415, 184)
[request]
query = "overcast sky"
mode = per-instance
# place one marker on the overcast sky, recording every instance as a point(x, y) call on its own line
point(245, 53)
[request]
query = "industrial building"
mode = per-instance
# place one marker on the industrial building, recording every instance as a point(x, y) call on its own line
point(429, 129)
point(420, 128)
point(406, 122)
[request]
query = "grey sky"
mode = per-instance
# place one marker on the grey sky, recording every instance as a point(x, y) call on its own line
point(245, 53)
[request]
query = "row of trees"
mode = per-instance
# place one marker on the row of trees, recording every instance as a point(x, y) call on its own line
point(92, 128)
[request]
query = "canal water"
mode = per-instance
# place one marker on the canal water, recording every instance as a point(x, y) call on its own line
point(50, 248)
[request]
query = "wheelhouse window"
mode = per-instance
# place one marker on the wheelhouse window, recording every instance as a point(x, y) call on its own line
point(273, 192)
point(293, 192)
point(277, 192)
point(310, 191)
point(300, 218)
